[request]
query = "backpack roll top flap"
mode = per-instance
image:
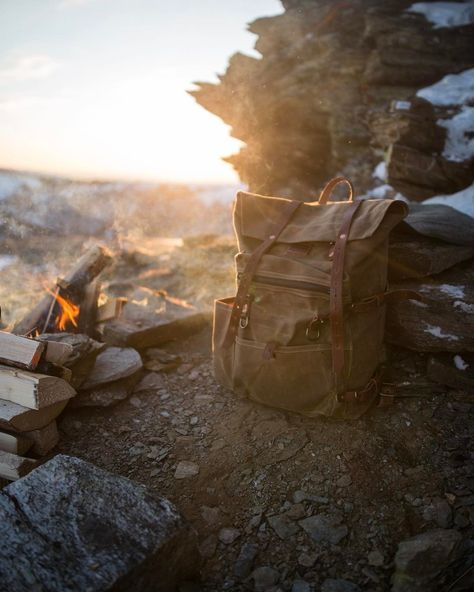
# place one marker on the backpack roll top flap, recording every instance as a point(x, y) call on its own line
point(254, 214)
point(305, 330)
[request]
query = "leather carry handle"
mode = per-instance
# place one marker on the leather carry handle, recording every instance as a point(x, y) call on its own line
point(330, 186)
point(241, 298)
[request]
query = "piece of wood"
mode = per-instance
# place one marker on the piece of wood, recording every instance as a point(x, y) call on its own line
point(88, 310)
point(152, 318)
point(19, 351)
point(44, 439)
point(21, 419)
point(414, 258)
point(57, 352)
point(31, 389)
point(444, 321)
point(72, 286)
point(13, 467)
point(110, 309)
point(14, 443)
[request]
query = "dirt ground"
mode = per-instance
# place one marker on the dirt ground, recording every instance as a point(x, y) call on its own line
point(380, 479)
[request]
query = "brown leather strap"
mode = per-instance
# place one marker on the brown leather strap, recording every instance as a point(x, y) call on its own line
point(330, 186)
point(241, 299)
point(336, 305)
point(364, 395)
point(385, 298)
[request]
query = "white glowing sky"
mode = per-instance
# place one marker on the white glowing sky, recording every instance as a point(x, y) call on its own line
point(96, 88)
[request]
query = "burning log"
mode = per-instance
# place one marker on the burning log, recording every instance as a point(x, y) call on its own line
point(60, 308)
point(32, 390)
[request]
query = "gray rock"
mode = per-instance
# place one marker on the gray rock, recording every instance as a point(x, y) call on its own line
point(283, 526)
point(300, 586)
point(303, 496)
point(331, 585)
point(243, 565)
point(325, 527)
point(344, 481)
point(264, 577)
point(71, 526)
point(375, 558)
point(228, 535)
point(307, 559)
point(439, 512)
point(186, 469)
point(421, 560)
point(113, 364)
point(150, 382)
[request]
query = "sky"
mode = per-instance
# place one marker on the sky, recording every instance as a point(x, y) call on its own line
point(96, 88)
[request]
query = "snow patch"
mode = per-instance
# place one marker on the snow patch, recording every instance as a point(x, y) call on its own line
point(464, 306)
point(453, 89)
point(445, 14)
point(460, 363)
point(380, 171)
point(454, 291)
point(459, 145)
point(462, 201)
point(6, 261)
point(438, 332)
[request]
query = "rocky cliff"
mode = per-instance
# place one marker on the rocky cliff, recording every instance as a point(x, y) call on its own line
point(338, 89)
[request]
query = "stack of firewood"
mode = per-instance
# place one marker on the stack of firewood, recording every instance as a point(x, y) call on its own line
point(34, 389)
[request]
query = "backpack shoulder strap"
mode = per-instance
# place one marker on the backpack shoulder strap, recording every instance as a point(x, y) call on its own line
point(241, 298)
point(336, 304)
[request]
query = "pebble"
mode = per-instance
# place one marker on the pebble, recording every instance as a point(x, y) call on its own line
point(300, 586)
point(228, 535)
point(136, 402)
point(185, 469)
point(307, 559)
point(264, 577)
point(333, 585)
point(243, 565)
point(303, 496)
point(210, 515)
point(344, 481)
point(283, 526)
point(376, 559)
point(208, 547)
point(324, 528)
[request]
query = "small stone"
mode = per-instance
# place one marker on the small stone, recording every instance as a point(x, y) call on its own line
point(324, 528)
point(194, 375)
point(344, 481)
point(296, 512)
point(300, 586)
point(283, 526)
point(243, 565)
point(307, 559)
point(303, 496)
point(228, 535)
point(194, 420)
point(264, 577)
point(439, 512)
point(208, 547)
point(136, 402)
point(331, 585)
point(211, 515)
point(185, 469)
point(376, 559)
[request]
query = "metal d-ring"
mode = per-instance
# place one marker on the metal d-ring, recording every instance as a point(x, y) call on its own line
point(313, 330)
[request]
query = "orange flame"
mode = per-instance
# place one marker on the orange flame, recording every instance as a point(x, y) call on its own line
point(69, 312)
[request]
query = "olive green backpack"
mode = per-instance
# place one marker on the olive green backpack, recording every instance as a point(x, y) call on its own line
point(305, 330)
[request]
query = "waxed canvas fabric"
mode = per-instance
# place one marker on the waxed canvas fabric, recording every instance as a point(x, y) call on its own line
point(290, 289)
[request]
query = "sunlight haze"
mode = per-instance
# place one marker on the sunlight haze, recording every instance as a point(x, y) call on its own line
point(96, 88)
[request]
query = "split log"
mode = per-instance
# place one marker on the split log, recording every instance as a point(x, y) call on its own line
point(415, 258)
point(14, 443)
point(20, 351)
point(72, 286)
point(110, 310)
point(83, 351)
point(57, 352)
point(21, 419)
point(13, 467)
point(31, 389)
point(444, 321)
point(43, 439)
point(88, 308)
point(152, 318)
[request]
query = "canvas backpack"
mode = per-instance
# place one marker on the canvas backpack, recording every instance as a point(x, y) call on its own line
point(305, 330)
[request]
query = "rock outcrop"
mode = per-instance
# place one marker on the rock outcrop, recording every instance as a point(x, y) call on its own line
point(333, 92)
point(71, 526)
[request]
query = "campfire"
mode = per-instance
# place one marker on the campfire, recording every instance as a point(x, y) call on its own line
point(71, 348)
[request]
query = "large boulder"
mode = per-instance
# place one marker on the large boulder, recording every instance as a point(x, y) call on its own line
point(70, 526)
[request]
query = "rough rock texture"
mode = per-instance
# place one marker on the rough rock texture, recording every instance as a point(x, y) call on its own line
point(421, 563)
point(112, 364)
point(69, 526)
point(320, 100)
